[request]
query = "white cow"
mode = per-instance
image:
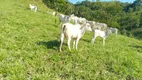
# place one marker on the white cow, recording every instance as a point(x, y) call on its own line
point(32, 7)
point(55, 13)
point(97, 25)
point(63, 19)
point(114, 30)
point(102, 34)
point(77, 20)
point(70, 31)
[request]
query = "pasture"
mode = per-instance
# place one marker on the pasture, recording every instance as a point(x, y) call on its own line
point(29, 49)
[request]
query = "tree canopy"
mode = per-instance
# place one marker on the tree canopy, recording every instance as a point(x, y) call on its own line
point(116, 14)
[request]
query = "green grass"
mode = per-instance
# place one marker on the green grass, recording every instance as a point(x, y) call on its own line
point(29, 49)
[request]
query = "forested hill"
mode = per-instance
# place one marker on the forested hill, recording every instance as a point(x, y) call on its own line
point(125, 16)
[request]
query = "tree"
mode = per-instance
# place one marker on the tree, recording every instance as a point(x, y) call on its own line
point(115, 14)
point(129, 21)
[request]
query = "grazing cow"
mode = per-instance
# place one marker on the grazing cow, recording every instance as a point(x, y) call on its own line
point(77, 20)
point(63, 19)
point(32, 7)
point(97, 25)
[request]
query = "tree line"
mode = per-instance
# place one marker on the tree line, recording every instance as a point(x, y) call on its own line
point(124, 16)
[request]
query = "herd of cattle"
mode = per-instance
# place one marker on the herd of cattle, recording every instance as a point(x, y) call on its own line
point(75, 27)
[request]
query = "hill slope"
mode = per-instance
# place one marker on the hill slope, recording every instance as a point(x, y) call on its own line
point(29, 45)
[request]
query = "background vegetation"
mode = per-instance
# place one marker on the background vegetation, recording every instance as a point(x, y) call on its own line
point(127, 17)
point(29, 49)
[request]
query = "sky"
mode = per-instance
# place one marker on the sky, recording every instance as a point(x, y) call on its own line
point(74, 1)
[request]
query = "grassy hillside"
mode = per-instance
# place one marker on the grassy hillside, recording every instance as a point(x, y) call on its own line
point(29, 45)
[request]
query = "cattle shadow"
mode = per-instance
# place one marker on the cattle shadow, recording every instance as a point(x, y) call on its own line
point(52, 44)
point(89, 41)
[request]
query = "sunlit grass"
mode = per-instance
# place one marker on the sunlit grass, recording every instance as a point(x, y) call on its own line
point(29, 49)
